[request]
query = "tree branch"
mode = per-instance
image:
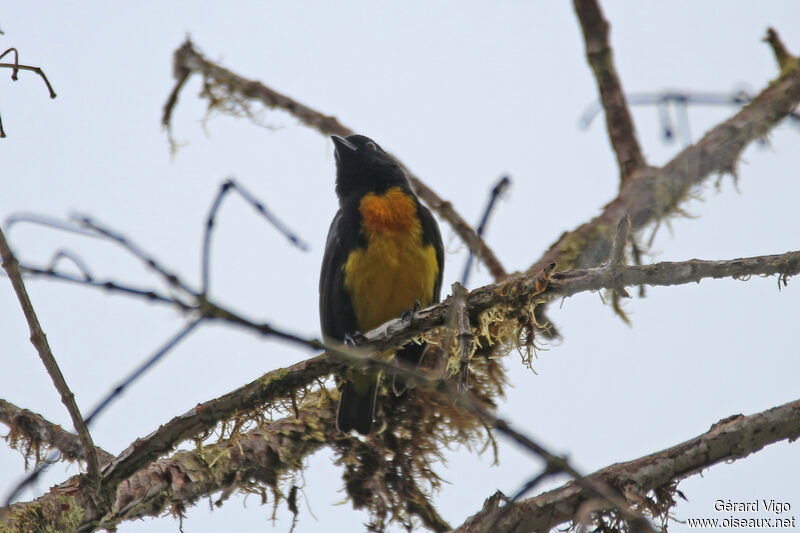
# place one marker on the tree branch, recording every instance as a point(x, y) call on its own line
point(782, 55)
point(35, 431)
point(263, 391)
point(730, 439)
point(543, 287)
point(658, 193)
point(39, 341)
point(187, 60)
point(619, 123)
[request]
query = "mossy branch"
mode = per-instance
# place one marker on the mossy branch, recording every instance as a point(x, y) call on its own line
point(32, 434)
point(653, 194)
point(730, 439)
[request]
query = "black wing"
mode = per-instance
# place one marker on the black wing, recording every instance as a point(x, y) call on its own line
point(431, 235)
point(335, 308)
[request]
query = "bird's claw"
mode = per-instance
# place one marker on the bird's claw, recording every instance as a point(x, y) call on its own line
point(354, 339)
point(408, 316)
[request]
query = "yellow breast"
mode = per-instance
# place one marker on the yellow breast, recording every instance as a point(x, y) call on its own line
point(395, 268)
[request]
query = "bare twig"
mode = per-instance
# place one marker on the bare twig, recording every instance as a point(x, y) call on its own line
point(39, 340)
point(681, 100)
point(15, 68)
point(232, 185)
point(187, 59)
point(108, 285)
point(133, 376)
point(621, 130)
point(36, 431)
point(169, 277)
point(72, 258)
point(497, 191)
point(729, 439)
point(70, 226)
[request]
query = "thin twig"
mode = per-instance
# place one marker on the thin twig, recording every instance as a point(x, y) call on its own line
point(108, 285)
point(171, 278)
point(619, 122)
point(681, 100)
point(48, 222)
point(232, 185)
point(188, 59)
point(149, 362)
point(15, 71)
point(497, 191)
point(72, 258)
point(16, 67)
point(39, 340)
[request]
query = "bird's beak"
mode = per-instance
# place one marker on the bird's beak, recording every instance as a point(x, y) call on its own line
point(341, 142)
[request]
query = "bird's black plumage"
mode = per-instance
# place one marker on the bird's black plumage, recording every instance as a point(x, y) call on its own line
point(383, 247)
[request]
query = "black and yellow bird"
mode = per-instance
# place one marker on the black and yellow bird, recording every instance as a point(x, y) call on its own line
point(383, 255)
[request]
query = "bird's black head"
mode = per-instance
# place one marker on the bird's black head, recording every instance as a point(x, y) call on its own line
point(362, 166)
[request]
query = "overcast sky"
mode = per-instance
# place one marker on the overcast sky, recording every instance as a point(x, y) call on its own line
point(462, 92)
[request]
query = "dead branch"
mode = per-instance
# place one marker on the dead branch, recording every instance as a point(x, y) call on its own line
point(730, 439)
point(619, 122)
point(15, 68)
point(32, 432)
point(782, 55)
point(187, 60)
point(656, 193)
point(39, 341)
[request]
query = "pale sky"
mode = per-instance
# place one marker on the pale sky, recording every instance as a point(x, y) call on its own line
point(462, 92)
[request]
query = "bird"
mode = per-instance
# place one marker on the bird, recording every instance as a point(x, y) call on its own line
point(383, 258)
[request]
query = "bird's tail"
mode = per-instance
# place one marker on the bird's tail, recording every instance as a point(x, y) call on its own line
point(357, 406)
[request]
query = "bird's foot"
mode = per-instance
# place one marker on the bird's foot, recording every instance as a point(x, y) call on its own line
point(354, 339)
point(409, 316)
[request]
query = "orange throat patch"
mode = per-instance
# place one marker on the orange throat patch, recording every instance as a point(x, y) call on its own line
point(396, 268)
point(392, 211)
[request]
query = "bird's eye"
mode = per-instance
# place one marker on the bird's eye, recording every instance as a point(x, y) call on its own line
point(372, 146)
